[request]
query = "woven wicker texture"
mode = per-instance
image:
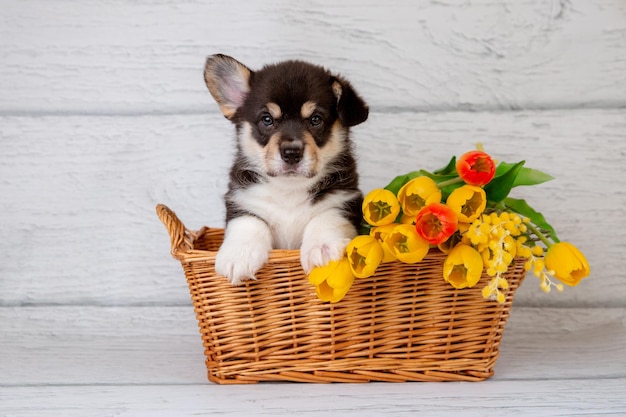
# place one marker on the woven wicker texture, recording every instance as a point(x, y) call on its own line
point(405, 323)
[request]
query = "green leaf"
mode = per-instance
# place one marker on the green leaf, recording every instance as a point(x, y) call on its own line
point(449, 169)
point(397, 183)
point(526, 176)
point(521, 207)
point(500, 187)
point(438, 177)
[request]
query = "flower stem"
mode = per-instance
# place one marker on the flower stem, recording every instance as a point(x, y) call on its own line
point(539, 234)
point(450, 182)
point(501, 206)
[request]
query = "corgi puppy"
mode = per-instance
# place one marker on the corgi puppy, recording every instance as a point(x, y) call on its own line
point(293, 183)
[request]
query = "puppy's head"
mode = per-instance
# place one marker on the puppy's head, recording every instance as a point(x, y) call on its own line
point(292, 117)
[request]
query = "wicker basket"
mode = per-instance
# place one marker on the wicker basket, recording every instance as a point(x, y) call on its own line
point(405, 323)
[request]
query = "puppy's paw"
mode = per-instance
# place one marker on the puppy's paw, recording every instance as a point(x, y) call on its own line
point(240, 264)
point(319, 253)
point(244, 251)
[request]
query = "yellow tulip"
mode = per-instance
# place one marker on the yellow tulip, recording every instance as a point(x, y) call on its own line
point(380, 207)
point(364, 255)
point(468, 202)
point(405, 244)
point(380, 233)
point(407, 219)
point(332, 281)
point(463, 267)
point(451, 242)
point(417, 194)
point(566, 263)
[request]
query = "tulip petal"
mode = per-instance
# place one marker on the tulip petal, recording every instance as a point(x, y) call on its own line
point(406, 245)
point(364, 254)
point(417, 194)
point(468, 202)
point(463, 267)
point(339, 293)
point(436, 223)
point(476, 168)
point(380, 233)
point(380, 207)
point(320, 273)
point(324, 291)
point(567, 263)
point(342, 276)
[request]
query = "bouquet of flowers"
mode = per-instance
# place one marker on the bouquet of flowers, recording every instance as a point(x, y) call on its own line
point(465, 210)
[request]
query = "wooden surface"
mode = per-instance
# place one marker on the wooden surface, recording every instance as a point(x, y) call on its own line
point(104, 114)
point(111, 57)
point(147, 361)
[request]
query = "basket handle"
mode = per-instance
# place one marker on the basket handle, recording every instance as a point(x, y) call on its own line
point(180, 238)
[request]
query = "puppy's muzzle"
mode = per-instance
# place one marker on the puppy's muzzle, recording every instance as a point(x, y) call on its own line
point(291, 151)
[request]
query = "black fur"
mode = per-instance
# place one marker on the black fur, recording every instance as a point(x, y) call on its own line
point(343, 175)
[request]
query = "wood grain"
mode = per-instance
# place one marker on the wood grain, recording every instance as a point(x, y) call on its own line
point(115, 57)
point(517, 398)
point(132, 361)
point(89, 345)
point(80, 228)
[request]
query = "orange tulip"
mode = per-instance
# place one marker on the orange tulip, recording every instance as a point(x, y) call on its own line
point(436, 223)
point(476, 168)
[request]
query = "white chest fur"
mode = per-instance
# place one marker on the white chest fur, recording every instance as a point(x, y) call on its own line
point(285, 204)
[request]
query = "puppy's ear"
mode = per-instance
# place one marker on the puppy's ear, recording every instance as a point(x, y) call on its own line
point(351, 108)
point(228, 81)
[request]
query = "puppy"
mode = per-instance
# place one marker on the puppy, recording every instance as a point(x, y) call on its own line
point(293, 183)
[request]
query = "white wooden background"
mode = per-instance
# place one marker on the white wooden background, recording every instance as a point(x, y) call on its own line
point(104, 114)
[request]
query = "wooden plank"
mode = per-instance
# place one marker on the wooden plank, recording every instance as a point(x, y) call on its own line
point(95, 345)
point(553, 343)
point(113, 56)
point(491, 398)
point(78, 194)
point(86, 345)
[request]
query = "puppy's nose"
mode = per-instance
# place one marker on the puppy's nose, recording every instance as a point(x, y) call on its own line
point(291, 152)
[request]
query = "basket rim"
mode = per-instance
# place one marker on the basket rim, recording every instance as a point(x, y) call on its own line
point(183, 240)
point(274, 254)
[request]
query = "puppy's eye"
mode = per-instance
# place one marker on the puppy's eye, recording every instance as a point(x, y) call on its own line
point(315, 120)
point(267, 120)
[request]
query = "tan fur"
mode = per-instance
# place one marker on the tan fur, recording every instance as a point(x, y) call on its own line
point(334, 146)
point(274, 110)
point(337, 90)
point(307, 109)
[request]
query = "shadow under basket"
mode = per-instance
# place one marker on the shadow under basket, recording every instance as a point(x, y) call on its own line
point(405, 323)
